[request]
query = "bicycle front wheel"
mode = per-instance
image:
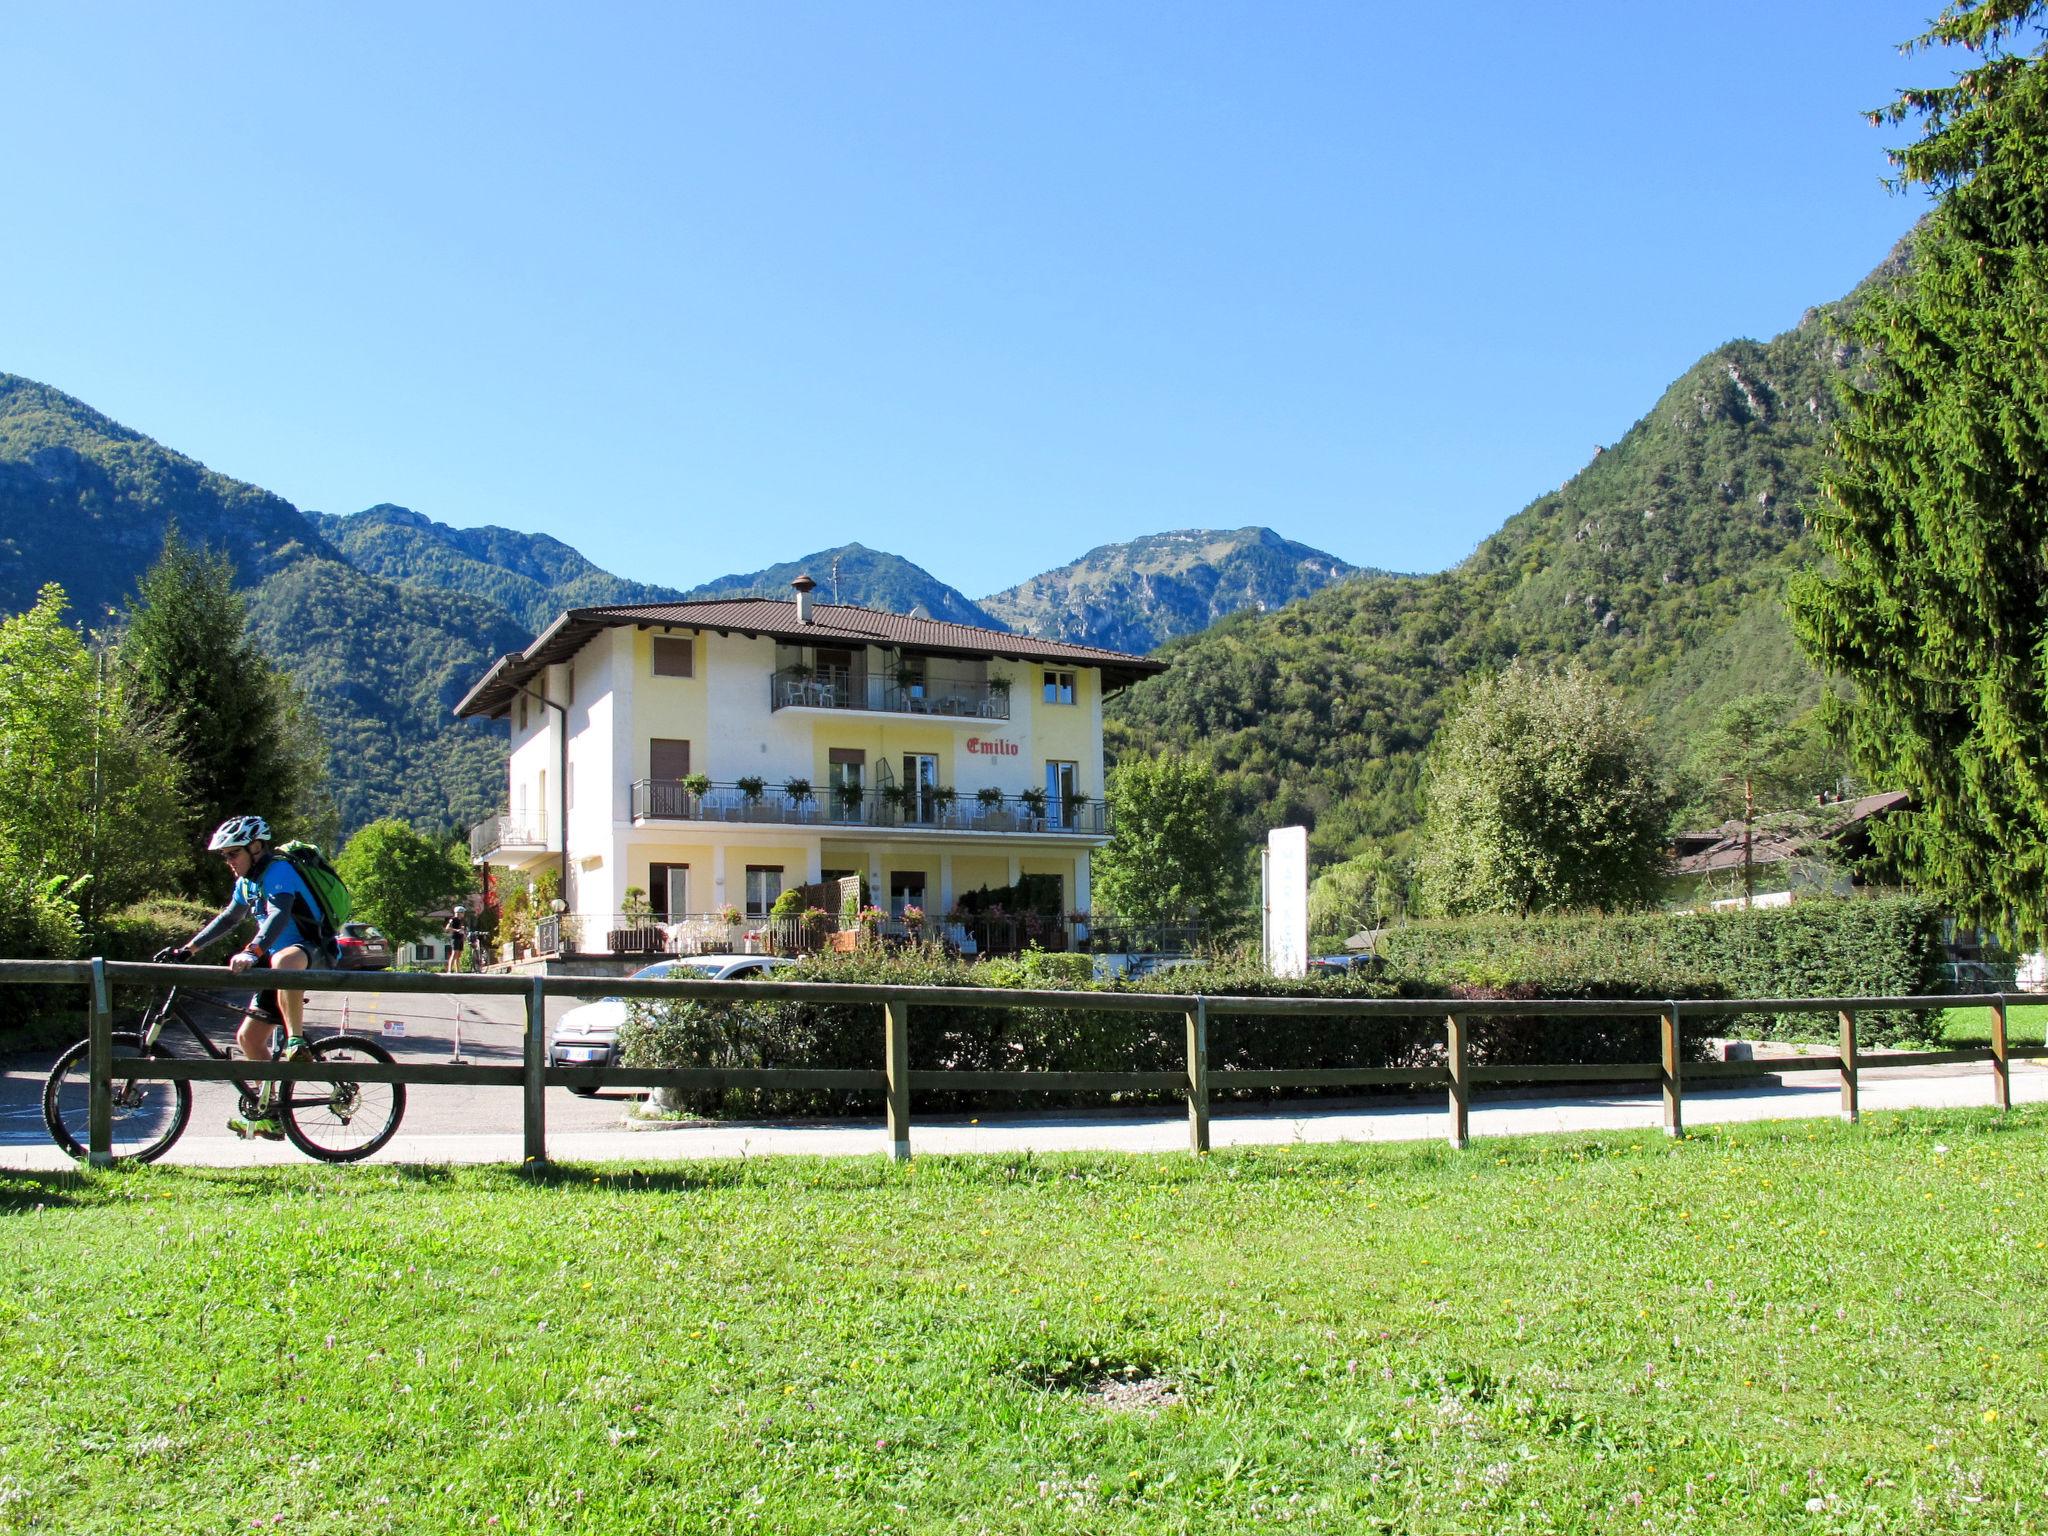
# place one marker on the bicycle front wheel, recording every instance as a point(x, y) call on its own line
point(149, 1114)
point(342, 1122)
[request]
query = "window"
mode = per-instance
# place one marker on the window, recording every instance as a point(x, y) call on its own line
point(906, 889)
point(668, 891)
point(1062, 783)
point(667, 761)
point(675, 656)
point(764, 884)
point(1059, 687)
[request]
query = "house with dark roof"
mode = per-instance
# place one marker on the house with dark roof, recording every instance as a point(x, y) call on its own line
point(1831, 833)
point(714, 754)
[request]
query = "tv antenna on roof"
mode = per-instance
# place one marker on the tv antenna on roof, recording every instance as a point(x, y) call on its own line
point(835, 581)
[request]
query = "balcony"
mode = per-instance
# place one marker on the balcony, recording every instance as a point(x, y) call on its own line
point(838, 688)
point(895, 809)
point(502, 833)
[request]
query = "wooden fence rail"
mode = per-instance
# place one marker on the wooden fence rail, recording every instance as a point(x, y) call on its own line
point(898, 1005)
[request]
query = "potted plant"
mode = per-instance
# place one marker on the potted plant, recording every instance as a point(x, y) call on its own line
point(988, 799)
point(847, 939)
point(913, 919)
point(897, 795)
point(1033, 801)
point(751, 789)
point(944, 798)
point(697, 784)
point(999, 686)
point(797, 791)
point(848, 794)
point(871, 920)
point(639, 936)
point(729, 915)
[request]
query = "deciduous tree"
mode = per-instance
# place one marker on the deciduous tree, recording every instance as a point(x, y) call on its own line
point(1175, 853)
point(1543, 793)
point(396, 876)
point(1936, 606)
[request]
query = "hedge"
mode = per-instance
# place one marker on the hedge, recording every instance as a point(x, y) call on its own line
point(1874, 946)
point(847, 1035)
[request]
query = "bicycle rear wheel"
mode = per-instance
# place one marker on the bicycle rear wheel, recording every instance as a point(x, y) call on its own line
point(341, 1122)
point(149, 1114)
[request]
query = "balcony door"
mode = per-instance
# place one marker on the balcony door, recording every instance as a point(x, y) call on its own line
point(846, 783)
point(668, 764)
point(921, 779)
point(1062, 783)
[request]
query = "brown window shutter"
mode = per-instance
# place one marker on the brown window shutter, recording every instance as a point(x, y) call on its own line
point(675, 656)
point(668, 760)
point(858, 756)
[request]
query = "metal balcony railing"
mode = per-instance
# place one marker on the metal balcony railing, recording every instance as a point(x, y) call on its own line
point(503, 831)
point(837, 688)
point(941, 810)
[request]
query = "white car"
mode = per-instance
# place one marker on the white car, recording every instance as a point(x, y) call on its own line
point(589, 1036)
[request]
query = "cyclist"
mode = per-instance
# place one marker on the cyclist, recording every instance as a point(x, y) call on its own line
point(271, 892)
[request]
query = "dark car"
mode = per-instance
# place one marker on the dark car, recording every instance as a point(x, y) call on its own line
point(359, 947)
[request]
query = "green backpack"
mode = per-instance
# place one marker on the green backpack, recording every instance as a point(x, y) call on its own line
point(327, 887)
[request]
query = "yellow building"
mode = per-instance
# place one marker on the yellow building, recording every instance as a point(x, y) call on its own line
point(713, 754)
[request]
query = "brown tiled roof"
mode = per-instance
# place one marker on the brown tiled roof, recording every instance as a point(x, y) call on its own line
point(1722, 848)
point(776, 619)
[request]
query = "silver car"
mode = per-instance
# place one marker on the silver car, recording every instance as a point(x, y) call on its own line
point(589, 1036)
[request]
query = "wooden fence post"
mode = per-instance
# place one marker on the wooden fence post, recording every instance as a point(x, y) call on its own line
point(1674, 1108)
point(1198, 1077)
point(99, 1112)
point(2001, 1067)
point(1849, 1065)
point(536, 1082)
point(896, 1045)
point(1461, 1090)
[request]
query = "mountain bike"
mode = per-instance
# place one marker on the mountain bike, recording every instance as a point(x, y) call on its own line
point(335, 1122)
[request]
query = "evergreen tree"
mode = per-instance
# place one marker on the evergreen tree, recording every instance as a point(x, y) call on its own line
point(1937, 515)
point(240, 728)
point(1543, 793)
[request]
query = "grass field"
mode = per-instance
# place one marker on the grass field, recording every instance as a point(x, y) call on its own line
point(1768, 1329)
point(2025, 1024)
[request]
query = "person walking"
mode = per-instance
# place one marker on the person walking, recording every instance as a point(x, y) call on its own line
point(458, 938)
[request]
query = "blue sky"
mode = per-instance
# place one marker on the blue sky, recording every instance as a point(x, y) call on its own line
point(698, 288)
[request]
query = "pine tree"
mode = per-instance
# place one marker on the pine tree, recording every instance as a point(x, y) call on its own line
point(1937, 515)
point(241, 730)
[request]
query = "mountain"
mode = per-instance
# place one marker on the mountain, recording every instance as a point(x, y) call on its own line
point(867, 578)
point(1131, 597)
point(1661, 566)
point(529, 575)
point(85, 502)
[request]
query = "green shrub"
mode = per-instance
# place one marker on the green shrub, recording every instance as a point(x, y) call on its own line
point(1862, 947)
point(966, 1038)
point(37, 922)
point(136, 932)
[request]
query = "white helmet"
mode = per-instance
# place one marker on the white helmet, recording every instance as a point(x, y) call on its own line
point(239, 832)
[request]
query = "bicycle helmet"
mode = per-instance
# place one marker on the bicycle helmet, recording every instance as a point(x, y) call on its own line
point(239, 832)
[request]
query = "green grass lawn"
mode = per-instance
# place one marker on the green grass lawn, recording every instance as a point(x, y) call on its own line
point(2025, 1024)
point(1764, 1329)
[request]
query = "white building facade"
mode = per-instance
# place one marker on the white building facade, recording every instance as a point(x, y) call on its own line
point(712, 755)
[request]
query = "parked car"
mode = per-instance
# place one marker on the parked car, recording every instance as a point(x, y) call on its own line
point(359, 947)
point(1330, 965)
point(589, 1036)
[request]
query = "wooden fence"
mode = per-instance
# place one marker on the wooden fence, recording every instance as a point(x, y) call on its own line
point(898, 1006)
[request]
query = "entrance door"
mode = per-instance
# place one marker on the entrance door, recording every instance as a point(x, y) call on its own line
point(1062, 783)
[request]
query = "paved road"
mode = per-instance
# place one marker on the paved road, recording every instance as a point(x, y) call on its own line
point(482, 1125)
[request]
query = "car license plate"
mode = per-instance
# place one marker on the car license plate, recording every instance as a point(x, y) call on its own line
point(583, 1053)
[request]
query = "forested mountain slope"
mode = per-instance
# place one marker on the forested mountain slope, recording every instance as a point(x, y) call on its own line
point(529, 575)
point(1660, 565)
point(85, 502)
point(1133, 596)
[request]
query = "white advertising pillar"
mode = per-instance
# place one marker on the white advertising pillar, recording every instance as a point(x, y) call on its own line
point(1286, 901)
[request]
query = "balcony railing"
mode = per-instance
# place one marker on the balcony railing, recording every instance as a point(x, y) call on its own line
point(939, 810)
point(837, 688)
point(502, 831)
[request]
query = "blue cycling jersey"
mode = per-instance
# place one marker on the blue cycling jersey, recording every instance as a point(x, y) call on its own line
point(284, 909)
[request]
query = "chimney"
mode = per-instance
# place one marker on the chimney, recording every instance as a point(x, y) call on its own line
point(804, 587)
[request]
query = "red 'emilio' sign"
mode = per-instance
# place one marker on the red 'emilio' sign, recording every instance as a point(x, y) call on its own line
point(985, 747)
